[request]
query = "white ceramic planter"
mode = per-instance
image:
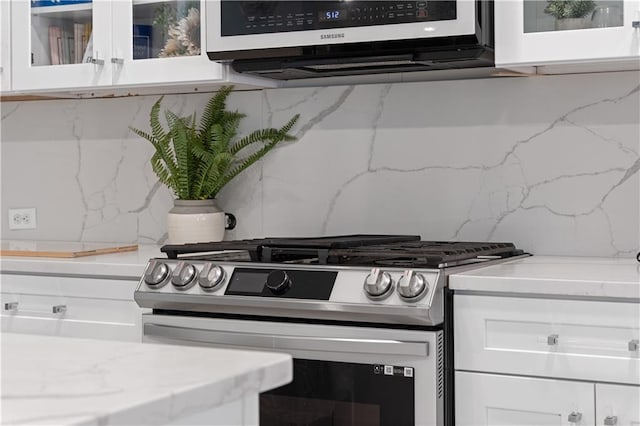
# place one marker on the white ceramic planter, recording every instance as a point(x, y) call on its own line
point(571, 24)
point(194, 221)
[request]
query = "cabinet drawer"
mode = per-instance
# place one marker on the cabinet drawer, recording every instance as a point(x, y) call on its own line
point(548, 337)
point(78, 317)
point(617, 405)
point(69, 286)
point(491, 400)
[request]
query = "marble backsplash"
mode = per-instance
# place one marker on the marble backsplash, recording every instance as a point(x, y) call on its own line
point(551, 163)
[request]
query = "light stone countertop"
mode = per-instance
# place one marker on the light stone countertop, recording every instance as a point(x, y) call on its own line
point(122, 265)
point(552, 275)
point(66, 381)
point(556, 275)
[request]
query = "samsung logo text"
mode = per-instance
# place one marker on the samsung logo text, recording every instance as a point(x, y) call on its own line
point(330, 36)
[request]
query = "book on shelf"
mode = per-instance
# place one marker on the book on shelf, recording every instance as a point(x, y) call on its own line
point(78, 51)
point(55, 34)
point(141, 41)
point(69, 44)
point(88, 50)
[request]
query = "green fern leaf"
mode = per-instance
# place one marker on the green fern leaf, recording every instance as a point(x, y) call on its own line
point(196, 160)
point(215, 108)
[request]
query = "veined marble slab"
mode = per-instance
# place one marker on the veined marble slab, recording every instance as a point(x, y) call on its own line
point(65, 381)
point(556, 275)
point(550, 163)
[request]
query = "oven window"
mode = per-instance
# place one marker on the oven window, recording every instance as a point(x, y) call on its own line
point(327, 393)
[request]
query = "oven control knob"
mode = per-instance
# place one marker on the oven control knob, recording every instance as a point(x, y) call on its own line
point(412, 286)
point(278, 281)
point(184, 276)
point(378, 284)
point(156, 274)
point(211, 277)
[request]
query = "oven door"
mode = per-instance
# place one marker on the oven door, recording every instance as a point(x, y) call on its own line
point(343, 375)
point(234, 25)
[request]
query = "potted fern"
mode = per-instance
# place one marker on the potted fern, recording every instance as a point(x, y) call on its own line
point(569, 14)
point(196, 161)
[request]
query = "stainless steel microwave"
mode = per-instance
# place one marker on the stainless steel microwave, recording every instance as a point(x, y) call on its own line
point(303, 39)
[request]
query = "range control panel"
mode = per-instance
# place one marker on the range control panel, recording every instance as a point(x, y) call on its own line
point(390, 286)
point(262, 17)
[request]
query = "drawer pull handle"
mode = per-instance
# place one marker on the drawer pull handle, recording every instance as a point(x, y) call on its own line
point(11, 306)
point(634, 345)
point(552, 339)
point(117, 61)
point(575, 417)
point(59, 309)
point(611, 420)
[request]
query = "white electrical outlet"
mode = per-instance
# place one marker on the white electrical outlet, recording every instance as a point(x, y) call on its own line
point(22, 218)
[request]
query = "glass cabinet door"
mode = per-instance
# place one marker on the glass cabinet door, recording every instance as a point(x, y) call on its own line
point(58, 44)
point(563, 15)
point(539, 32)
point(159, 41)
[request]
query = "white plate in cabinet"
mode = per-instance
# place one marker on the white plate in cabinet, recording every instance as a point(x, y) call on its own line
point(617, 405)
point(488, 399)
point(71, 316)
point(527, 36)
point(586, 340)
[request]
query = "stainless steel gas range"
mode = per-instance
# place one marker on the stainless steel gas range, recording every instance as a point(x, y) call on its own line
point(367, 319)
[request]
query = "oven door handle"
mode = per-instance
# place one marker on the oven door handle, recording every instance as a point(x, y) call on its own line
point(280, 342)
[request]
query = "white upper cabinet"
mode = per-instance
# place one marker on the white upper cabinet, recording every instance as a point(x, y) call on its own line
point(156, 42)
point(603, 34)
point(5, 47)
point(82, 45)
point(47, 51)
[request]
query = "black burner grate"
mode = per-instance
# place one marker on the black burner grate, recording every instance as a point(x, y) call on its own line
point(423, 253)
point(285, 249)
point(361, 250)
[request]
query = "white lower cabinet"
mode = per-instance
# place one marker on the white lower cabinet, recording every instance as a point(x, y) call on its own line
point(71, 306)
point(536, 361)
point(491, 399)
point(573, 339)
point(617, 405)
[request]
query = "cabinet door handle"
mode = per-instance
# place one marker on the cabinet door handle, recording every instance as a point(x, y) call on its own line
point(574, 417)
point(634, 345)
point(611, 420)
point(96, 61)
point(552, 339)
point(118, 61)
point(11, 306)
point(59, 309)
point(635, 24)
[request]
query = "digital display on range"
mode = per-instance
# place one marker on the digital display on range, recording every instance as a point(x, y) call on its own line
point(332, 15)
point(301, 284)
point(249, 281)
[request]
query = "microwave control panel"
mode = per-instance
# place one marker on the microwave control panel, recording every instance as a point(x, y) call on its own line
point(263, 17)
